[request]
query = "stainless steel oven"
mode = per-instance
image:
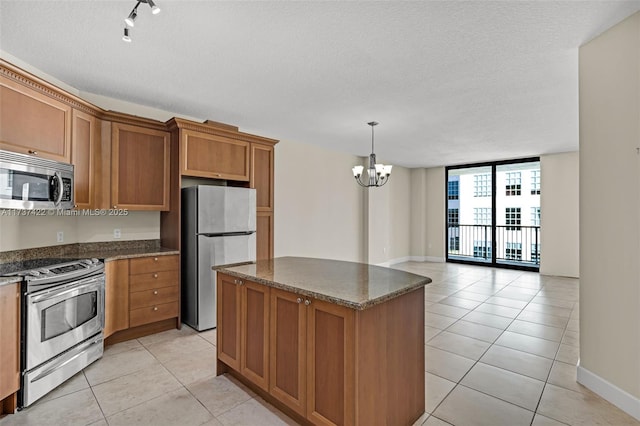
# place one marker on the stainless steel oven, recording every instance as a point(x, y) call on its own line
point(62, 324)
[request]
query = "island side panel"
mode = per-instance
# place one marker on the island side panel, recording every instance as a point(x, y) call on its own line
point(390, 361)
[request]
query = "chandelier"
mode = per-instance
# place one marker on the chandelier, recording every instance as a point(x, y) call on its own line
point(378, 173)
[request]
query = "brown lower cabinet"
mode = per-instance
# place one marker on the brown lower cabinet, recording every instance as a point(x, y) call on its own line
point(327, 364)
point(9, 346)
point(142, 296)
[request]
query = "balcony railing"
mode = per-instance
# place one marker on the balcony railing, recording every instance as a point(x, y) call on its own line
point(514, 244)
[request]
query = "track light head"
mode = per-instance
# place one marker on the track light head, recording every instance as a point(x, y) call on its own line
point(126, 37)
point(130, 20)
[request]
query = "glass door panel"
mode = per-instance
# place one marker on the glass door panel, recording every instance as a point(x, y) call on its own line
point(469, 228)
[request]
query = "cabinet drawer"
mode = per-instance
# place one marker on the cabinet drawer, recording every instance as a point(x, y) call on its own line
point(153, 313)
point(156, 296)
point(153, 264)
point(152, 280)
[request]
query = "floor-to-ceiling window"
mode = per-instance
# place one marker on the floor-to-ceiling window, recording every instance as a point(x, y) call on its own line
point(493, 213)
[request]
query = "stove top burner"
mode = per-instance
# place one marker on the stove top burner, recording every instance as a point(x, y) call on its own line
point(27, 265)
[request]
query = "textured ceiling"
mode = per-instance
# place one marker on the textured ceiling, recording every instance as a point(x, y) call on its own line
point(450, 82)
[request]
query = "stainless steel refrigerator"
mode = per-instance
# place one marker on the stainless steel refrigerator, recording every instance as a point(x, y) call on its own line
point(218, 228)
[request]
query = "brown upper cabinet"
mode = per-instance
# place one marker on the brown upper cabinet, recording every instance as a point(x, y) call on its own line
point(262, 175)
point(139, 168)
point(85, 157)
point(31, 122)
point(213, 156)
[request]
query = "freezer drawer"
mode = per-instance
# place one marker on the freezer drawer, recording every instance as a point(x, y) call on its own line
point(199, 291)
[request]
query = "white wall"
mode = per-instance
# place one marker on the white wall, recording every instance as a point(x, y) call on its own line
point(435, 214)
point(559, 215)
point(317, 214)
point(418, 206)
point(389, 218)
point(24, 232)
point(609, 78)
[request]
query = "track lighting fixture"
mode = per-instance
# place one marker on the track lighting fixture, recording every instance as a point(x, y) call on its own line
point(130, 20)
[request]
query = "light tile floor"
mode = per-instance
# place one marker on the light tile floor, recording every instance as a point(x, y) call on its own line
point(501, 349)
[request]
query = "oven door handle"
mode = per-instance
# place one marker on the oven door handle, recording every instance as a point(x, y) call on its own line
point(70, 357)
point(54, 294)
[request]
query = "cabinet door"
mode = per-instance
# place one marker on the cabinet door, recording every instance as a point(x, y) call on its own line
point(139, 168)
point(116, 296)
point(330, 364)
point(254, 344)
point(34, 123)
point(262, 176)
point(9, 340)
point(229, 321)
point(85, 157)
point(213, 156)
point(288, 350)
point(264, 235)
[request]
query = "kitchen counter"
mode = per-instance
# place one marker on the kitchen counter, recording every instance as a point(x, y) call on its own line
point(306, 334)
point(9, 280)
point(107, 251)
point(354, 285)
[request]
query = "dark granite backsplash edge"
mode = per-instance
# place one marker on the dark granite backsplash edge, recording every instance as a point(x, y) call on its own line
point(77, 249)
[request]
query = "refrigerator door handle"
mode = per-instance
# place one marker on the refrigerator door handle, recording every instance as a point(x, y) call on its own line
point(226, 234)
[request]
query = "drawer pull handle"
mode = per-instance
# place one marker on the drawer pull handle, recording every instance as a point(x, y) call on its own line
point(155, 275)
point(33, 152)
point(307, 302)
point(155, 291)
point(155, 308)
point(299, 300)
point(155, 259)
point(115, 207)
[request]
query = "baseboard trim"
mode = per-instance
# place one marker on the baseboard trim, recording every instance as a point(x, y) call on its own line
point(618, 397)
point(411, 259)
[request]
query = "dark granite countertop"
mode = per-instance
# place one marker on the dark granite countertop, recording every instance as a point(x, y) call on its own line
point(9, 280)
point(107, 251)
point(355, 285)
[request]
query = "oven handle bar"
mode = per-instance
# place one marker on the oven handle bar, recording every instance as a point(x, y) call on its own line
point(67, 289)
point(73, 354)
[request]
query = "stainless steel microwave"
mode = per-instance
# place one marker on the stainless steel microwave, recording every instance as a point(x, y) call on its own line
point(28, 182)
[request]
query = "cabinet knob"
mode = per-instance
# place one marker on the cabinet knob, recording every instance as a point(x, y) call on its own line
point(33, 152)
point(155, 291)
point(155, 275)
point(155, 259)
point(218, 174)
point(155, 308)
point(299, 300)
point(115, 207)
point(240, 282)
point(307, 302)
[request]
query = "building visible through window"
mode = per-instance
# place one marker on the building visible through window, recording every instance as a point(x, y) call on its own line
point(514, 183)
point(452, 217)
point(513, 217)
point(535, 253)
point(482, 216)
point(535, 216)
point(535, 182)
point(482, 185)
point(482, 249)
point(513, 251)
point(453, 189)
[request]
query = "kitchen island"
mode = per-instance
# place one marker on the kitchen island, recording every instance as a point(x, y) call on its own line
point(327, 342)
